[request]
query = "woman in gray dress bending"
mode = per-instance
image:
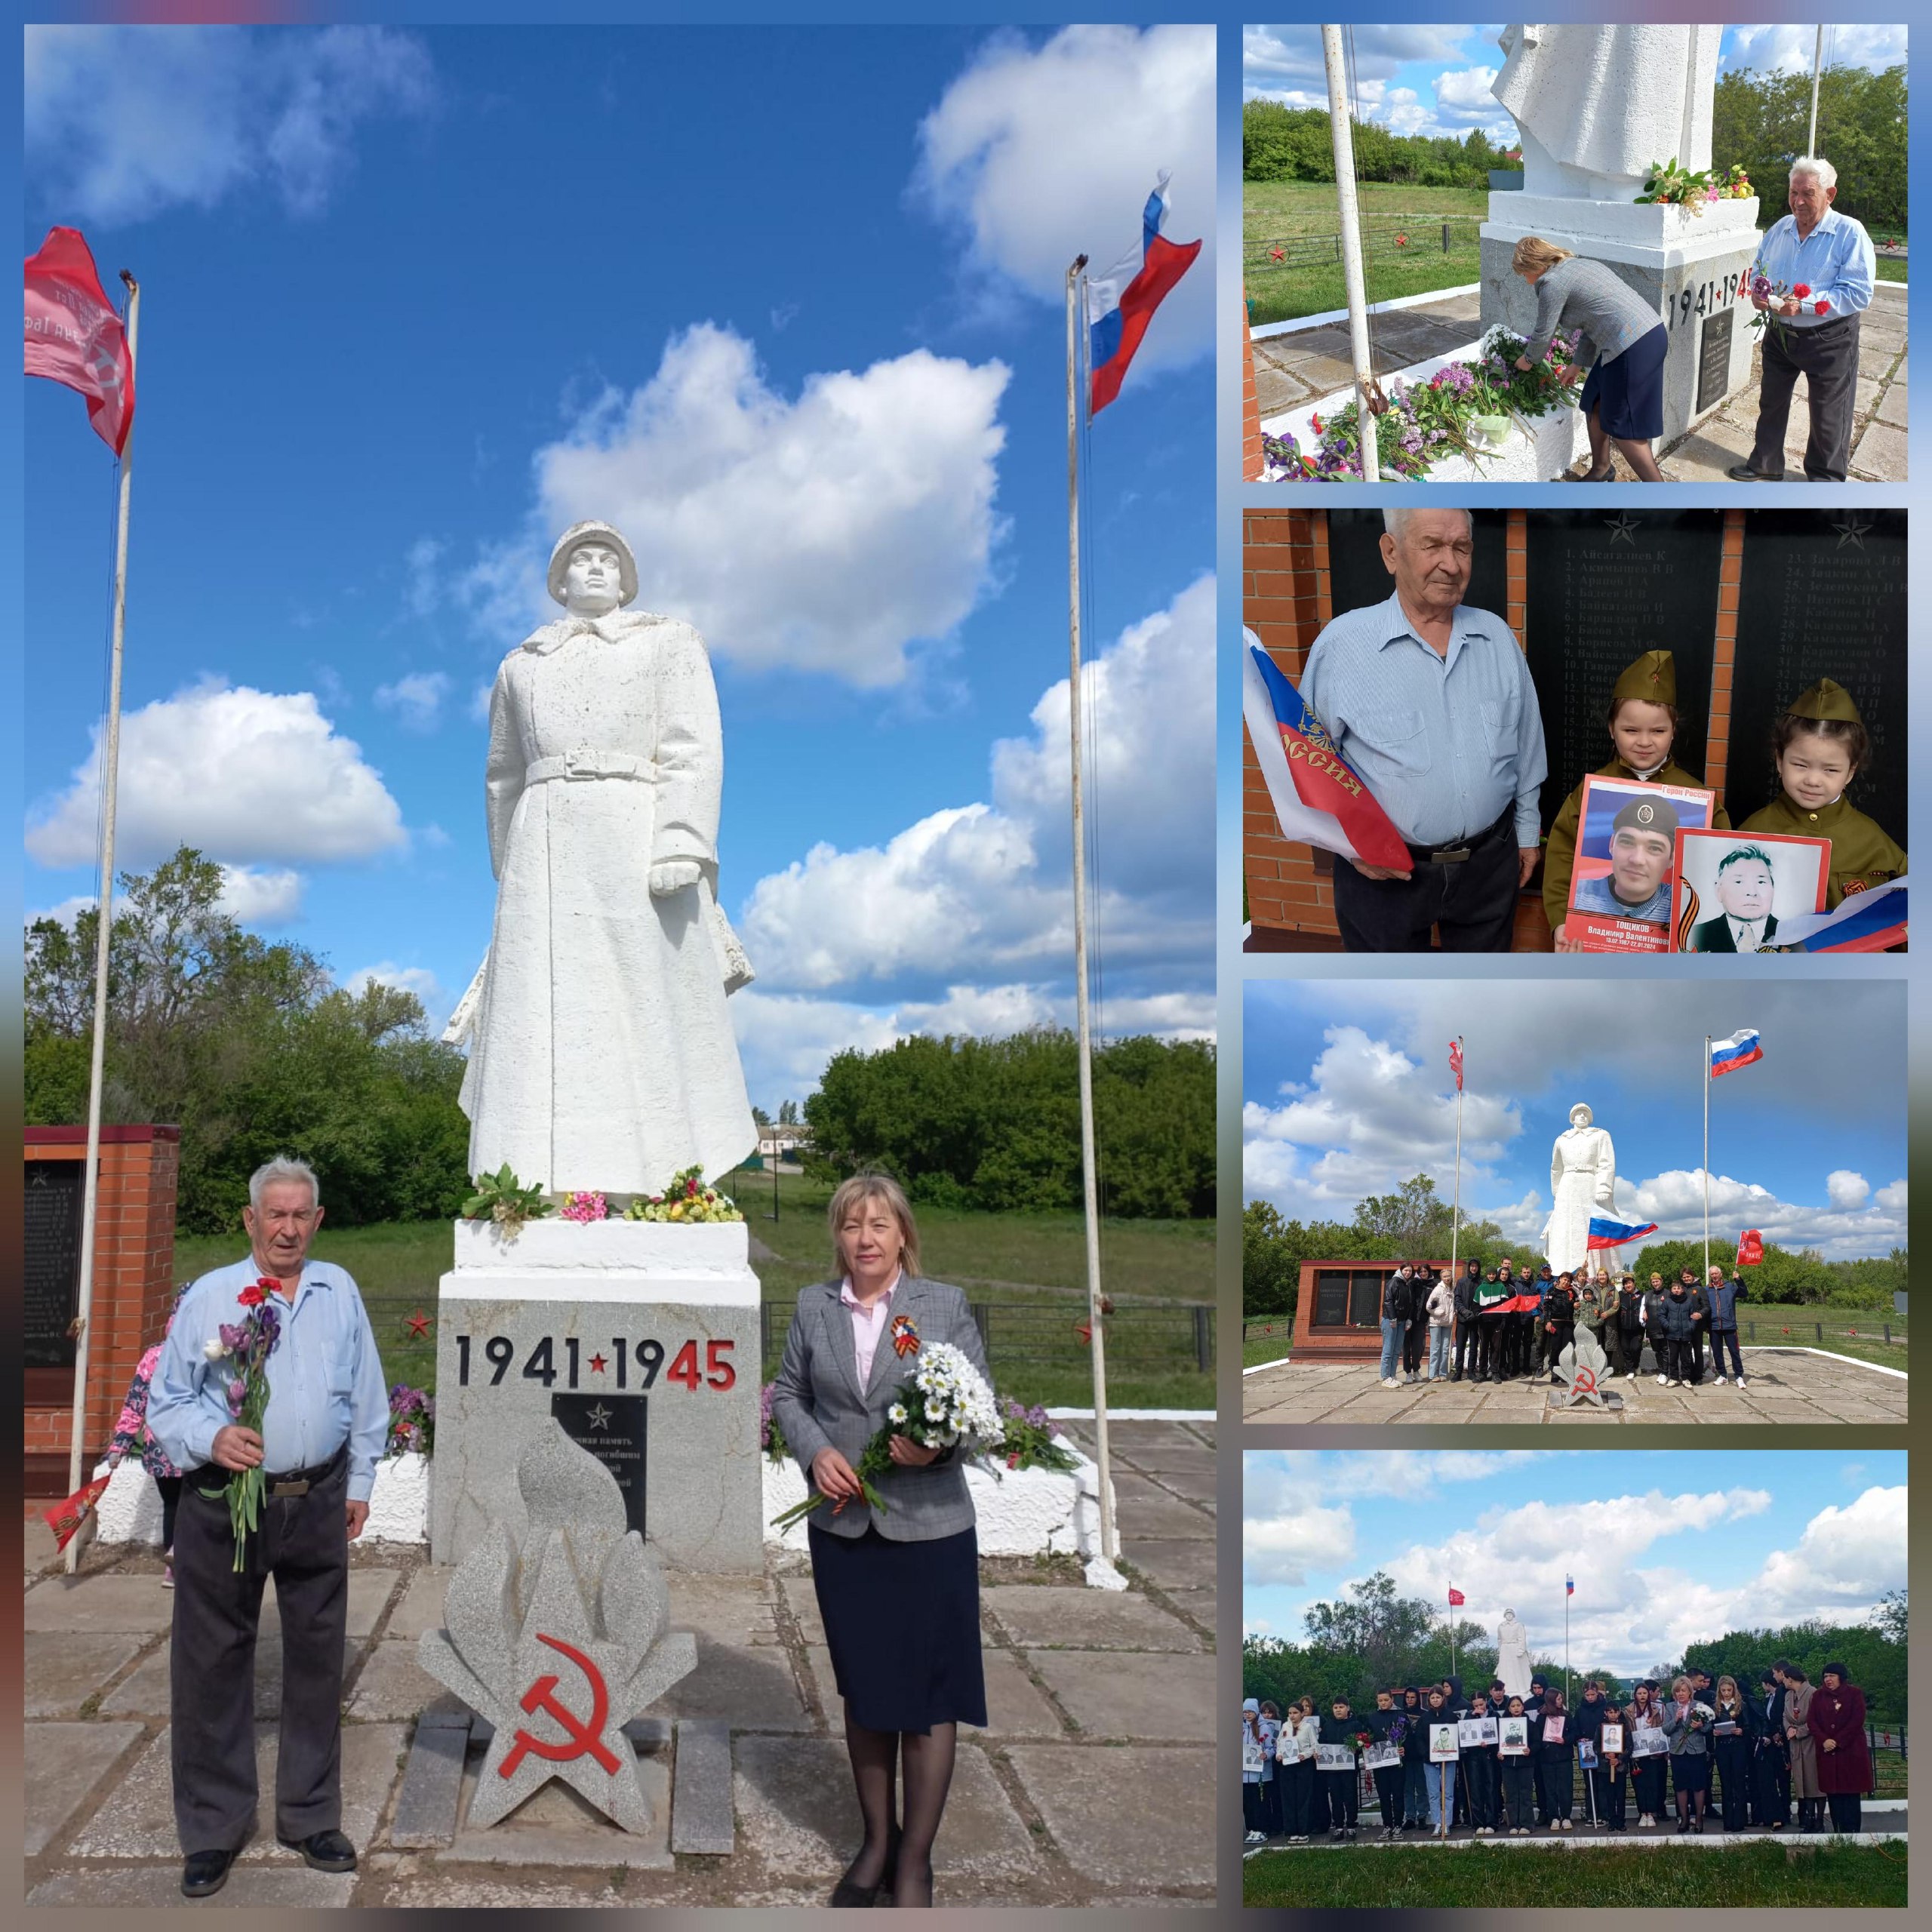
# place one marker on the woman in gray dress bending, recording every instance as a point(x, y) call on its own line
point(1622, 343)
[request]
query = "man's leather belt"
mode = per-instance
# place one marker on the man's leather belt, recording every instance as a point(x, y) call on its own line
point(298, 1482)
point(1454, 851)
point(586, 764)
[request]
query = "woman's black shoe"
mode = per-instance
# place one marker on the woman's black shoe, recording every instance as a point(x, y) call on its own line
point(203, 1873)
point(846, 1894)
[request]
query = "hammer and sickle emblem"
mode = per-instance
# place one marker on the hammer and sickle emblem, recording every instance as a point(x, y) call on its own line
point(585, 1735)
point(1586, 1385)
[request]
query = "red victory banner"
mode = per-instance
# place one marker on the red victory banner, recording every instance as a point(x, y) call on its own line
point(75, 336)
point(1750, 1249)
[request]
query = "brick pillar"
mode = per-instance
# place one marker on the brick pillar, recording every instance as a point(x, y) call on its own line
point(1251, 403)
point(1286, 599)
point(1724, 654)
point(133, 1287)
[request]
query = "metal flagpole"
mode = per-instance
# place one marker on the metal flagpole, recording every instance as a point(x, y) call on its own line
point(1097, 1327)
point(1566, 1643)
point(1455, 1214)
point(110, 761)
point(1452, 1640)
point(1817, 62)
point(1344, 141)
point(1707, 1157)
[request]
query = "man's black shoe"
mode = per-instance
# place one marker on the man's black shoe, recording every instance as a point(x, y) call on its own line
point(1743, 472)
point(203, 1873)
point(325, 1851)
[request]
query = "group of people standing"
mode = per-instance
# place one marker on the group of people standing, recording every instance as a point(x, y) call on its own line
point(1302, 1772)
point(1492, 1324)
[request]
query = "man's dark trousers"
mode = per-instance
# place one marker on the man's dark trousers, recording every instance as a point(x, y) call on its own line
point(1827, 357)
point(1470, 902)
point(304, 1543)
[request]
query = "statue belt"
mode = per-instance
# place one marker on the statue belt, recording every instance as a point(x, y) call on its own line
point(587, 765)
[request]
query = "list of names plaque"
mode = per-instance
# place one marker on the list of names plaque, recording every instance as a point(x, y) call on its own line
point(1605, 586)
point(1823, 596)
point(53, 1273)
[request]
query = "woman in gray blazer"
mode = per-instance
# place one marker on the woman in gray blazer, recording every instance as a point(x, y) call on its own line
point(1690, 1755)
point(898, 1588)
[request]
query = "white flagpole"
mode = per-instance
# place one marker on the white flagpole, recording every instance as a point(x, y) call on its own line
point(110, 762)
point(1343, 139)
point(1456, 1217)
point(1707, 1157)
point(1452, 1640)
point(1566, 1645)
point(1090, 1182)
point(1811, 132)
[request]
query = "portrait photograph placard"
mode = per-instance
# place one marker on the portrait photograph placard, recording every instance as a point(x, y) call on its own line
point(1512, 1737)
point(1612, 1740)
point(1648, 1741)
point(1443, 1744)
point(1251, 1751)
point(1378, 1757)
point(1334, 1757)
point(1733, 889)
point(1623, 886)
point(1553, 1727)
point(1586, 1753)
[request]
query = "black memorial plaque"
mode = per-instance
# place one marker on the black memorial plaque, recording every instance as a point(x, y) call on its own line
point(612, 1428)
point(1714, 359)
point(1357, 575)
point(1823, 596)
point(53, 1273)
point(1604, 586)
point(1331, 1300)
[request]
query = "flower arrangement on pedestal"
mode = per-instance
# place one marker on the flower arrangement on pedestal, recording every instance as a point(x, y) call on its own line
point(686, 1199)
point(1464, 409)
point(412, 1422)
point(502, 1198)
point(1031, 1440)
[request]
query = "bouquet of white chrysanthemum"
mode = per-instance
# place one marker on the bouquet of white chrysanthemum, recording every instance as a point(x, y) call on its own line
point(944, 1405)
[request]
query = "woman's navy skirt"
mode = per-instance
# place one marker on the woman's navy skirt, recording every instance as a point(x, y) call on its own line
point(903, 1623)
point(1628, 391)
point(1690, 1771)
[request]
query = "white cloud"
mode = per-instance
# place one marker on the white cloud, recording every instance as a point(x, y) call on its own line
point(1847, 1559)
point(1045, 152)
point(124, 123)
point(1466, 91)
point(1847, 1190)
point(834, 533)
point(66, 912)
point(977, 894)
point(245, 775)
point(1788, 49)
point(424, 590)
point(416, 699)
point(417, 979)
point(253, 896)
point(1273, 56)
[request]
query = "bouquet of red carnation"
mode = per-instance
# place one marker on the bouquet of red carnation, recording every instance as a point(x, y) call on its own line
point(245, 1346)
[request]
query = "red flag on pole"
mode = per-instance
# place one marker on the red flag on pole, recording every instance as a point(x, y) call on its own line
point(1456, 1061)
point(76, 336)
point(1751, 1249)
point(1456, 1599)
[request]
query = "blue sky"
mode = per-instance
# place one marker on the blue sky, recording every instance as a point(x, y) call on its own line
point(1346, 1091)
point(1667, 1550)
point(786, 305)
point(1416, 79)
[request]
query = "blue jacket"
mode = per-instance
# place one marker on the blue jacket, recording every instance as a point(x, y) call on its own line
point(1723, 1298)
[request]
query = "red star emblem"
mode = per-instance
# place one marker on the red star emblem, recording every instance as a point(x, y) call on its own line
point(418, 1324)
point(597, 1364)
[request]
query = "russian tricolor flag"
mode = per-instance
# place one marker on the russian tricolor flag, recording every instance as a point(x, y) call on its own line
point(1740, 1049)
point(1605, 1233)
point(1121, 304)
point(1318, 797)
point(1868, 921)
point(1569, 1586)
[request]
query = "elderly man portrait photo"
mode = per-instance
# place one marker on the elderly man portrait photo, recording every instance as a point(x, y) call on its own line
point(324, 1427)
point(1814, 334)
point(1746, 889)
point(1430, 701)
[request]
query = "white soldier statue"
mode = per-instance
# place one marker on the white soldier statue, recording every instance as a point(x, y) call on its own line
point(1512, 1656)
point(1583, 1182)
point(602, 1055)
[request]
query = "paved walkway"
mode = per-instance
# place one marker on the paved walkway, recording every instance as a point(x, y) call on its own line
point(1291, 370)
point(1786, 1386)
point(1092, 1785)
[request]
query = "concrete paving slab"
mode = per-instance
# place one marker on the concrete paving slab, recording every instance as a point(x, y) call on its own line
point(702, 1817)
point(796, 1803)
point(1037, 1616)
point(1147, 1510)
point(392, 1684)
point(1193, 1461)
point(1174, 1563)
point(64, 1670)
point(1160, 1845)
point(1158, 1696)
point(556, 1826)
point(63, 1763)
point(1016, 1707)
point(144, 1691)
point(372, 1762)
point(802, 1600)
point(1891, 406)
point(258, 1888)
point(38, 1548)
point(750, 1689)
point(425, 1806)
point(421, 1608)
point(100, 1603)
point(736, 1610)
point(1880, 453)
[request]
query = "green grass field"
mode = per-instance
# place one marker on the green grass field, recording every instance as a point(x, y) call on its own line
point(1274, 211)
point(1490, 1877)
point(1034, 1260)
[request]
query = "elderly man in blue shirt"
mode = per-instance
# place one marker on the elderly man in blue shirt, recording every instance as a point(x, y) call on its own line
point(1814, 335)
point(326, 1424)
point(1431, 702)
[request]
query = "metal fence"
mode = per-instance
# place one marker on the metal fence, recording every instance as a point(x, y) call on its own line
point(1792, 1328)
point(1389, 236)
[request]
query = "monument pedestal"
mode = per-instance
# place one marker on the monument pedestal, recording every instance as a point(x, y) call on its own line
point(641, 1339)
point(1690, 269)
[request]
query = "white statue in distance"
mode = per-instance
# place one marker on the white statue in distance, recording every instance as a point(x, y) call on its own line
point(1598, 107)
point(1512, 1656)
point(602, 1055)
point(1582, 1182)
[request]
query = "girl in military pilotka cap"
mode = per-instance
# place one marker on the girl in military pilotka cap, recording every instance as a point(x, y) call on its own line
point(1820, 746)
point(1643, 723)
